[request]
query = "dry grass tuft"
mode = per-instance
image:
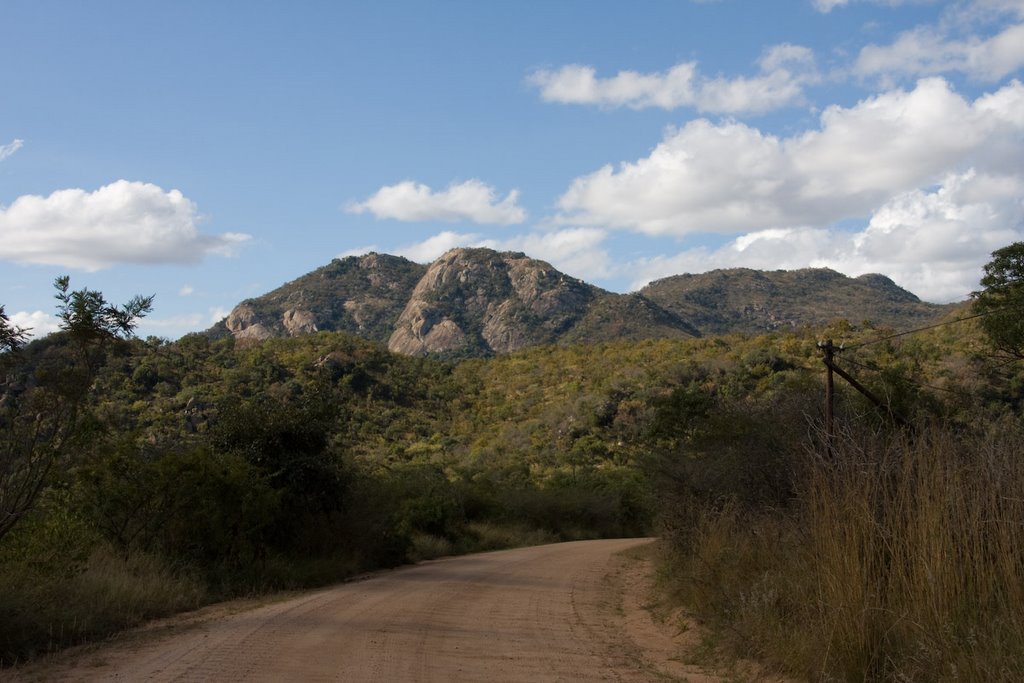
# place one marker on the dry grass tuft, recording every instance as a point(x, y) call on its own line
point(902, 559)
point(41, 611)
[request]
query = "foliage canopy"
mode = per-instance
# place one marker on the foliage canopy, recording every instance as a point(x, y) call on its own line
point(1001, 302)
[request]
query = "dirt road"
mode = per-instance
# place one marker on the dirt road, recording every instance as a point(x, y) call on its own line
point(564, 612)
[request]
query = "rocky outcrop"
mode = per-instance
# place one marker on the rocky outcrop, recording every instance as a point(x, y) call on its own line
point(478, 301)
point(299, 322)
point(244, 323)
point(422, 331)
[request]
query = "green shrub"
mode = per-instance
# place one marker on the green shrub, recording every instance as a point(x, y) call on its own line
point(201, 507)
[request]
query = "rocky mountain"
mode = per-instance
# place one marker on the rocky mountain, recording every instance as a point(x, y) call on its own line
point(362, 295)
point(479, 302)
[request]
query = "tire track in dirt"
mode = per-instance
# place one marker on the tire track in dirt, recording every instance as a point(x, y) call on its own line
point(547, 613)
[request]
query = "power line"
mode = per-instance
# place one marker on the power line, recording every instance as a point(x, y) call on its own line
point(922, 329)
point(907, 379)
point(914, 331)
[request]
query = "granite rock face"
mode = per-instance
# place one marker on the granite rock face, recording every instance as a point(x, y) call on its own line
point(480, 302)
point(298, 322)
point(244, 323)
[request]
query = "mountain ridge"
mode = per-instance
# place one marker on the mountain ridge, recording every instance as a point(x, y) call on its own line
point(478, 302)
point(753, 301)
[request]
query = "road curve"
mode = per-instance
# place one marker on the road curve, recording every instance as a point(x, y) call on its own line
point(547, 613)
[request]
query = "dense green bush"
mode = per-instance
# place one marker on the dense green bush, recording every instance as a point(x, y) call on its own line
point(198, 506)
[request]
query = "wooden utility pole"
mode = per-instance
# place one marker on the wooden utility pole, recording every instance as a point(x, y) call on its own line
point(830, 391)
point(829, 350)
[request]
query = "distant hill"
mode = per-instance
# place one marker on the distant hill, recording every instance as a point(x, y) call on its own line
point(753, 301)
point(479, 302)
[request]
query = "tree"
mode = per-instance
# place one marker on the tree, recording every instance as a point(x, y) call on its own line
point(1001, 302)
point(90, 322)
point(40, 416)
point(11, 336)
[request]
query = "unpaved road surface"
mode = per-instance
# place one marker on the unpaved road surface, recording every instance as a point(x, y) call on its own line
point(563, 612)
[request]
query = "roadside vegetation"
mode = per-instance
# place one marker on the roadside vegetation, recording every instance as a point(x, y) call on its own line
point(898, 558)
point(202, 469)
point(893, 555)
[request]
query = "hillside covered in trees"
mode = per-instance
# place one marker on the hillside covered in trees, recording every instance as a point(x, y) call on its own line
point(215, 466)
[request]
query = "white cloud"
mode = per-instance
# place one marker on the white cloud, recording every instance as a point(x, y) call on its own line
point(784, 70)
point(576, 251)
point(187, 290)
point(471, 200)
point(218, 313)
point(175, 326)
point(578, 84)
point(930, 242)
point(826, 6)
point(10, 148)
point(929, 51)
point(701, 178)
point(188, 321)
point(123, 222)
point(969, 14)
point(732, 178)
point(432, 247)
point(38, 323)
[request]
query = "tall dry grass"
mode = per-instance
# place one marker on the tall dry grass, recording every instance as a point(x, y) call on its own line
point(42, 610)
point(902, 558)
point(917, 544)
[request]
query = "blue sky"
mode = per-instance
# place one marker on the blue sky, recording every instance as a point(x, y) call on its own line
point(206, 152)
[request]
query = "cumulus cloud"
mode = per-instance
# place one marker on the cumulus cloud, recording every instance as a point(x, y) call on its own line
point(218, 313)
point(471, 200)
point(187, 321)
point(701, 178)
point(10, 148)
point(1015, 7)
point(432, 247)
point(828, 5)
point(930, 242)
point(784, 71)
point(732, 178)
point(576, 251)
point(579, 84)
point(38, 323)
point(930, 50)
point(174, 326)
point(124, 222)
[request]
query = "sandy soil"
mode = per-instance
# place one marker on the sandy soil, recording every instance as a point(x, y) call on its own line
point(564, 612)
